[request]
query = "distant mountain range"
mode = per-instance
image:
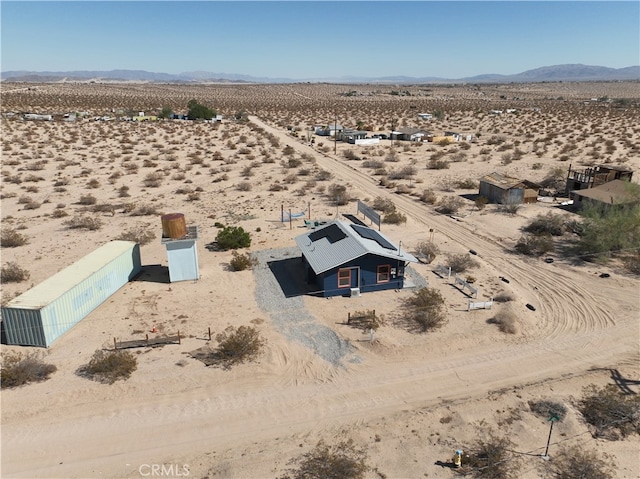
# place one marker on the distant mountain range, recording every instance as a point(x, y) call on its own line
point(573, 72)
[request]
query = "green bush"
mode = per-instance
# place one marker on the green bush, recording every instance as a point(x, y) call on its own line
point(549, 224)
point(109, 366)
point(233, 237)
point(19, 369)
point(13, 273)
point(342, 460)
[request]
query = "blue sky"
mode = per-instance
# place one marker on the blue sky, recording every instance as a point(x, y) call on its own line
point(305, 40)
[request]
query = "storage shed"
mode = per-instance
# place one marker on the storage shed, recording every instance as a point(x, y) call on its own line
point(347, 259)
point(505, 190)
point(44, 313)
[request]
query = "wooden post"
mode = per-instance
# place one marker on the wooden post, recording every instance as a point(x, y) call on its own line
point(290, 220)
point(179, 342)
point(115, 344)
point(282, 212)
point(147, 339)
point(309, 208)
point(209, 333)
point(348, 318)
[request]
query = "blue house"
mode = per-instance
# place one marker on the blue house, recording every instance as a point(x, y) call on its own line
point(344, 259)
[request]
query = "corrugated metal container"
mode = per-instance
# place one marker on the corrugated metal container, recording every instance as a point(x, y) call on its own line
point(47, 311)
point(182, 255)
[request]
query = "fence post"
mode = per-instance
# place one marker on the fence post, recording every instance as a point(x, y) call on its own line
point(147, 339)
point(179, 342)
point(115, 344)
point(209, 333)
point(348, 318)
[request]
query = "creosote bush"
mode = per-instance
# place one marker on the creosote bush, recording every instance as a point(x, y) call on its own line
point(91, 223)
point(548, 224)
point(394, 218)
point(578, 463)
point(241, 262)
point(427, 250)
point(237, 345)
point(491, 459)
point(13, 273)
point(450, 205)
point(10, 238)
point(140, 235)
point(459, 263)
point(233, 237)
point(109, 366)
point(506, 320)
point(612, 413)
point(545, 408)
point(342, 460)
point(424, 310)
point(19, 369)
point(535, 245)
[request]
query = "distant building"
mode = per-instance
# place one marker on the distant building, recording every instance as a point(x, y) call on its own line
point(505, 190)
point(344, 259)
point(616, 193)
point(595, 176)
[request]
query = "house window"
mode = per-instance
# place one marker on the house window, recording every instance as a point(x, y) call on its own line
point(384, 273)
point(344, 278)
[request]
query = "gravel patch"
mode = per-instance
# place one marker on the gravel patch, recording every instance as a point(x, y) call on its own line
point(287, 311)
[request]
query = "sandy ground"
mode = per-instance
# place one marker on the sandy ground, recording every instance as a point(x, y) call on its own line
point(410, 399)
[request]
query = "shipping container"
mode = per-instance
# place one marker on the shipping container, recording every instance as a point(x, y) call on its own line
point(47, 311)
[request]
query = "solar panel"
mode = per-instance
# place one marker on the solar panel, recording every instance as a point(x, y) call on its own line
point(368, 233)
point(332, 232)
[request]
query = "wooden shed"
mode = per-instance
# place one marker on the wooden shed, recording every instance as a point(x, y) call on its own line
point(501, 189)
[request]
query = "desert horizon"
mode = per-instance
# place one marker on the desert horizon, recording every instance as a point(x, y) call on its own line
point(561, 321)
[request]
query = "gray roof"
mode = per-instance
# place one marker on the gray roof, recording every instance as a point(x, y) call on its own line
point(614, 192)
point(338, 242)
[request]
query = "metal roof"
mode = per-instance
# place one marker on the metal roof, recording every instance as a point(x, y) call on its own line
point(332, 249)
point(501, 181)
point(55, 286)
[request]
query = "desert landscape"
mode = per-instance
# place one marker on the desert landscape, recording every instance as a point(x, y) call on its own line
point(407, 399)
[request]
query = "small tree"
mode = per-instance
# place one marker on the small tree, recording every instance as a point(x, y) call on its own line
point(199, 112)
point(233, 237)
point(166, 112)
point(342, 460)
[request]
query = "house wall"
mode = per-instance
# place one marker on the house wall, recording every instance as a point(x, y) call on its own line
point(367, 281)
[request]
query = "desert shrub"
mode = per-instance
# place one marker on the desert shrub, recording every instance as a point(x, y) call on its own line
point(145, 210)
point(546, 224)
point(437, 164)
point(342, 460)
point(428, 196)
point(612, 413)
point(467, 184)
point(58, 213)
point(351, 155)
point(291, 162)
point(383, 204)
point(244, 186)
point(481, 202)
point(459, 263)
point(109, 366)
point(87, 200)
point(509, 208)
point(13, 273)
point(503, 297)
point(233, 237)
point(240, 262)
point(365, 320)
point(140, 235)
point(237, 345)
point(425, 309)
point(339, 194)
point(19, 369)
point(428, 250)
point(506, 320)
point(578, 463)
point(123, 191)
point(10, 238)
point(632, 263)
point(90, 223)
point(491, 459)
point(535, 245)
point(153, 180)
point(546, 408)
point(450, 205)
point(394, 218)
